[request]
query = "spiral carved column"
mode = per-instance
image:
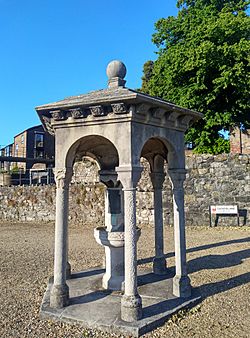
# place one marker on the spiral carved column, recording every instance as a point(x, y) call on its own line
point(131, 304)
point(60, 292)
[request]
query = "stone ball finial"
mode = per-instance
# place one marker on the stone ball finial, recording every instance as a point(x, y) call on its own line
point(116, 69)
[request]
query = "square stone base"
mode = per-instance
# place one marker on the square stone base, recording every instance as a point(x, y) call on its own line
point(92, 307)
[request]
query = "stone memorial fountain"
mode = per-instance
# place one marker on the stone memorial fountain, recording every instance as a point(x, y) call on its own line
point(116, 127)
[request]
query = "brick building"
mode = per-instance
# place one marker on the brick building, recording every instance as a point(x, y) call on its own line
point(33, 142)
point(240, 141)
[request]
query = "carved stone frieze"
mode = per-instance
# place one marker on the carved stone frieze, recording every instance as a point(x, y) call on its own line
point(119, 108)
point(97, 110)
point(185, 120)
point(172, 118)
point(77, 113)
point(142, 109)
point(58, 115)
point(48, 125)
point(158, 112)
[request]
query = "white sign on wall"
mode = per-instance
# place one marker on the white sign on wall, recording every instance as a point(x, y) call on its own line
point(224, 209)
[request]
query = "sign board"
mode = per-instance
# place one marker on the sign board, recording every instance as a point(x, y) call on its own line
point(224, 210)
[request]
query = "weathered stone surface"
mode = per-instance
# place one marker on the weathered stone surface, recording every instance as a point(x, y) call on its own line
point(88, 308)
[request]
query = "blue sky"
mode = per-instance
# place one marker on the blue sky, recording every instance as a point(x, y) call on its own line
point(51, 49)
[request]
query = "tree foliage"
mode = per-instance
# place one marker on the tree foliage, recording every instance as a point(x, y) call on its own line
point(147, 74)
point(203, 64)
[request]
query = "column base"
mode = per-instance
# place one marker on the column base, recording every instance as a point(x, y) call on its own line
point(181, 286)
point(159, 265)
point(131, 308)
point(68, 270)
point(112, 282)
point(59, 296)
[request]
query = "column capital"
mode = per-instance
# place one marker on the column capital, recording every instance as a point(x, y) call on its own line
point(129, 176)
point(63, 177)
point(108, 177)
point(177, 177)
point(157, 179)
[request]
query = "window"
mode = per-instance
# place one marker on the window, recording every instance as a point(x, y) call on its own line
point(22, 139)
point(8, 151)
point(39, 138)
point(16, 150)
point(39, 153)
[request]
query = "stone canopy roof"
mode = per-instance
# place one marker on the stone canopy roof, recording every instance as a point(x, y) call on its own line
point(117, 102)
point(103, 96)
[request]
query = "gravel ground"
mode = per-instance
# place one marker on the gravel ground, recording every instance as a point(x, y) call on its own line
point(218, 262)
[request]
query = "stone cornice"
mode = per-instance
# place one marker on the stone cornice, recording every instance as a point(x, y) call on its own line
point(84, 112)
point(164, 117)
point(118, 103)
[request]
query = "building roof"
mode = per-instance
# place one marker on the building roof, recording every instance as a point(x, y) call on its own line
point(114, 102)
point(28, 129)
point(112, 95)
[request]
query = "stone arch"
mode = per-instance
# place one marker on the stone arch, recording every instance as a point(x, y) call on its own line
point(156, 150)
point(96, 147)
point(100, 150)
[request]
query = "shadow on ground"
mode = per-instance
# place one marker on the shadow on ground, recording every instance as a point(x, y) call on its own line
point(214, 262)
point(198, 248)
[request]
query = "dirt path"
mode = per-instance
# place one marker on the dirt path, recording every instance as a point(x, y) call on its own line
point(218, 261)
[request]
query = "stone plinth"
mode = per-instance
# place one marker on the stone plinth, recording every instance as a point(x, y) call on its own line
point(113, 242)
point(93, 307)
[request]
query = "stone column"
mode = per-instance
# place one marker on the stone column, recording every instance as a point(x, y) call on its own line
point(59, 295)
point(66, 211)
point(131, 304)
point(114, 251)
point(181, 281)
point(159, 262)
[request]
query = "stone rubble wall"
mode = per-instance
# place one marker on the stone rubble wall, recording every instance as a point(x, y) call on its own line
point(222, 179)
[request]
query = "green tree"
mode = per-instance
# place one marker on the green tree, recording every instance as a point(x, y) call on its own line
point(147, 74)
point(203, 64)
